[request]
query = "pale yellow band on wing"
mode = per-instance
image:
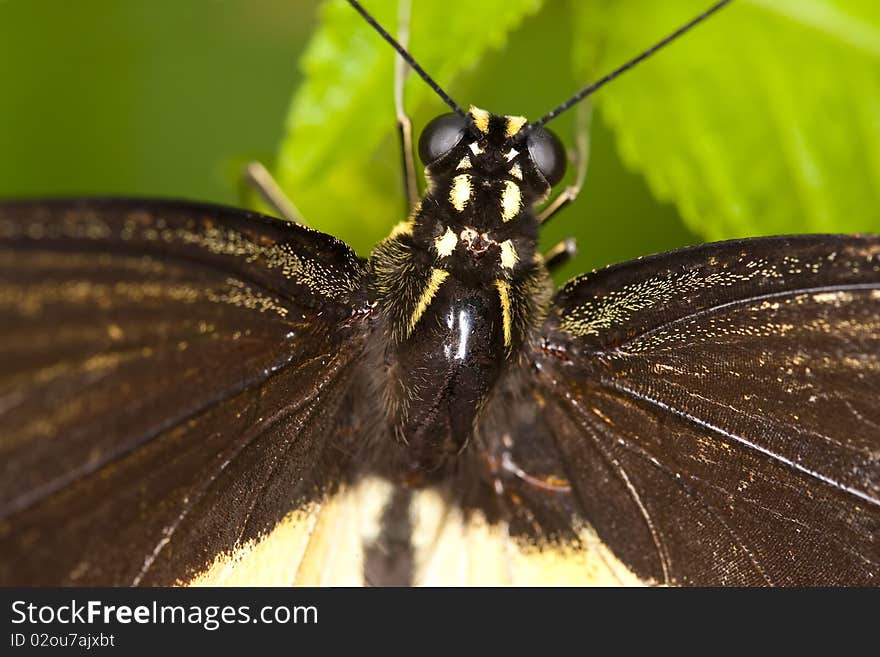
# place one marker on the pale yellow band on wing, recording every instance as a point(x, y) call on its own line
point(323, 545)
point(336, 552)
point(273, 560)
point(454, 550)
point(320, 545)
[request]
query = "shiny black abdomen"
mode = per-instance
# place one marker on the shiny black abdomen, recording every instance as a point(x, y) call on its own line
point(442, 373)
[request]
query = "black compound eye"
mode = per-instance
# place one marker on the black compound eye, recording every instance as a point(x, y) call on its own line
point(440, 136)
point(548, 154)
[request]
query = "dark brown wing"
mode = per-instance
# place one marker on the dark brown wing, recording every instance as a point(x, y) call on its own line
point(168, 372)
point(718, 409)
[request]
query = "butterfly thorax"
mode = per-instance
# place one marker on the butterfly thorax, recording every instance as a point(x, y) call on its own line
point(458, 286)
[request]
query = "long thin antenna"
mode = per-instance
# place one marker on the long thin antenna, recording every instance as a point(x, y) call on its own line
point(587, 91)
point(408, 58)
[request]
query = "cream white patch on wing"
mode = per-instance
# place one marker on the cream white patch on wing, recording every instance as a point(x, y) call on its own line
point(319, 545)
point(452, 548)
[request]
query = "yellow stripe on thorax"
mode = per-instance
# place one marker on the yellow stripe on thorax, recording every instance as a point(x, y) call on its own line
point(434, 282)
point(506, 314)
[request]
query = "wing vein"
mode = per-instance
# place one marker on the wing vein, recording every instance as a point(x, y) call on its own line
point(629, 444)
point(620, 471)
point(794, 465)
point(824, 289)
point(234, 451)
point(32, 497)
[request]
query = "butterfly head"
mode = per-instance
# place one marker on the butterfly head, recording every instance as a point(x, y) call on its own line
point(485, 172)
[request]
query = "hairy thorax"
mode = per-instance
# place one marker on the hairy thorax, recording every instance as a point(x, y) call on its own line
point(459, 287)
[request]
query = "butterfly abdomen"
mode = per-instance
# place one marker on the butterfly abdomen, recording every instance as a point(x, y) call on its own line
point(436, 379)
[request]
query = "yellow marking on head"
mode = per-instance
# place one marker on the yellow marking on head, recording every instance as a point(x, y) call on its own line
point(446, 243)
point(514, 124)
point(506, 313)
point(402, 228)
point(481, 119)
point(509, 256)
point(516, 172)
point(434, 282)
point(464, 163)
point(511, 200)
point(460, 193)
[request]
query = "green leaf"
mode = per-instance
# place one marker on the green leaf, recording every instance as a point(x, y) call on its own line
point(762, 120)
point(338, 159)
point(765, 119)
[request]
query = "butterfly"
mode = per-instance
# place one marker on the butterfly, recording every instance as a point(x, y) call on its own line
point(195, 394)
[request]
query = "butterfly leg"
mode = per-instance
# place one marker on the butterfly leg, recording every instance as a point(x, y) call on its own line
point(507, 479)
point(501, 466)
point(582, 157)
point(547, 483)
point(259, 178)
point(404, 124)
point(560, 254)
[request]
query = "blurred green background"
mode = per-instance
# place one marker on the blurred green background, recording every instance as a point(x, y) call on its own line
point(155, 97)
point(764, 120)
